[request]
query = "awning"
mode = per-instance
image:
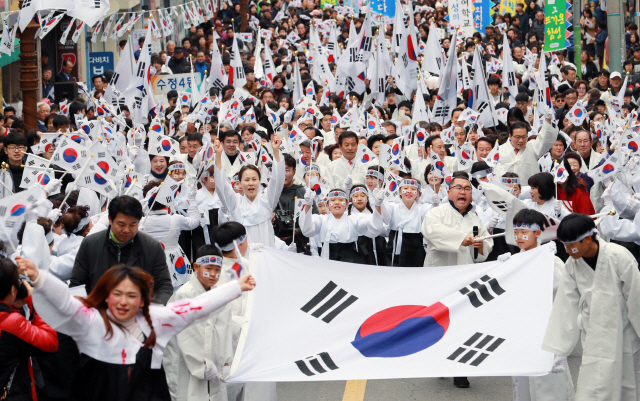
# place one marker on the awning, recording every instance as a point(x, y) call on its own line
point(6, 59)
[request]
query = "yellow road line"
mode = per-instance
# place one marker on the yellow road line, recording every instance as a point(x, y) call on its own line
point(354, 390)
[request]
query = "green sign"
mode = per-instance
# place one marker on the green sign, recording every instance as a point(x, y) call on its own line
point(555, 12)
point(330, 3)
point(6, 59)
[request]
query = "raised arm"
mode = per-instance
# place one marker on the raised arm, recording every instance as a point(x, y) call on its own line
point(546, 138)
point(223, 187)
point(192, 220)
point(274, 189)
point(54, 303)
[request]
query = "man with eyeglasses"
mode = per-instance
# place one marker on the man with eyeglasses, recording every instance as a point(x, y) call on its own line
point(449, 231)
point(570, 98)
point(15, 146)
point(521, 156)
point(590, 159)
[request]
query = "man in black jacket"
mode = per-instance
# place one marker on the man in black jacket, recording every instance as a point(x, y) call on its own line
point(122, 243)
point(286, 207)
point(178, 63)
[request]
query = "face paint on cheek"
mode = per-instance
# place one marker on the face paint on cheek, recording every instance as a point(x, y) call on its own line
point(403, 191)
point(217, 275)
point(212, 180)
point(525, 237)
point(205, 274)
point(574, 250)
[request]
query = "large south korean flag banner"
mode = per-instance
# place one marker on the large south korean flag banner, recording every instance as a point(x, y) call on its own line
point(312, 319)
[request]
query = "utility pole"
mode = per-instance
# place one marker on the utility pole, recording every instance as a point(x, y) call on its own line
point(615, 28)
point(29, 82)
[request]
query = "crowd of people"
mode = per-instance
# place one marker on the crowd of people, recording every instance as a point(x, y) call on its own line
point(137, 293)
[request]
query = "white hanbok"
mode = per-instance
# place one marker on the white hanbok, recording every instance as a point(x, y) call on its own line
point(552, 386)
point(525, 162)
point(167, 228)
point(445, 228)
point(602, 308)
point(547, 208)
point(405, 225)
point(340, 168)
point(62, 264)
point(191, 351)
point(66, 314)
point(255, 216)
point(344, 230)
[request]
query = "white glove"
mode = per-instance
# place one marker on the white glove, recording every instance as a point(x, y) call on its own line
point(193, 193)
point(636, 196)
point(553, 247)
point(634, 205)
point(549, 114)
point(606, 196)
point(289, 69)
point(226, 371)
point(632, 164)
point(256, 246)
point(557, 207)
point(435, 201)
point(378, 196)
point(504, 257)
point(54, 214)
point(83, 135)
point(348, 183)
point(308, 197)
point(53, 186)
point(292, 248)
point(210, 372)
point(559, 364)
point(493, 222)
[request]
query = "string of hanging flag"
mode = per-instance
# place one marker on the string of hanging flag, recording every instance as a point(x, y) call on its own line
point(195, 13)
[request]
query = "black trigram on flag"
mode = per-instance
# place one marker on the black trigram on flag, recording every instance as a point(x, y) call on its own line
point(312, 365)
point(481, 348)
point(502, 205)
point(478, 287)
point(330, 304)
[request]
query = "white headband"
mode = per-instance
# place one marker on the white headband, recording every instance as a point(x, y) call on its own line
point(356, 190)
point(311, 168)
point(510, 180)
point(580, 238)
point(209, 260)
point(176, 166)
point(230, 246)
point(523, 226)
point(83, 223)
point(410, 183)
point(338, 193)
point(375, 173)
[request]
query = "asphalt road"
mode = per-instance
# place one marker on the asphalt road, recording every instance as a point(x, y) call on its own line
point(433, 389)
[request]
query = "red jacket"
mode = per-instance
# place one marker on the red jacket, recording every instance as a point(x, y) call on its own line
point(19, 340)
point(580, 201)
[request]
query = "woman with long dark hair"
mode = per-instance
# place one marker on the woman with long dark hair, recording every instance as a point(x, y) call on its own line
point(573, 193)
point(120, 334)
point(254, 208)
